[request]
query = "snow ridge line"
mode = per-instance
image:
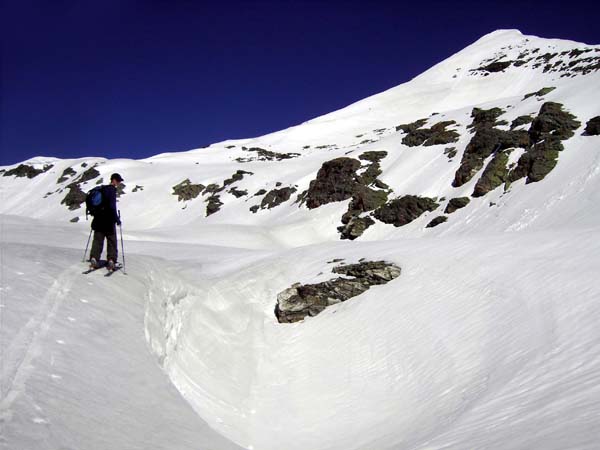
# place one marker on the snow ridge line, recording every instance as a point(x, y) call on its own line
point(14, 372)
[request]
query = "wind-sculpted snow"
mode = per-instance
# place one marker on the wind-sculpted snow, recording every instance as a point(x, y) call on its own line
point(476, 353)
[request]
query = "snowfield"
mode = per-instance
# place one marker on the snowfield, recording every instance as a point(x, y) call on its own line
point(489, 338)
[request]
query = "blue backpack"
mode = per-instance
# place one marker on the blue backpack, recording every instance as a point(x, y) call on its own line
point(95, 201)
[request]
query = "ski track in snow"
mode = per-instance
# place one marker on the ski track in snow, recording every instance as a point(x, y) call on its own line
point(26, 345)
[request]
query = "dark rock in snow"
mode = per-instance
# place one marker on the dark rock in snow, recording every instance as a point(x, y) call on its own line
point(435, 135)
point(436, 221)
point(552, 120)
point(485, 142)
point(484, 118)
point(213, 204)
point(404, 210)
point(539, 93)
point(74, 198)
point(88, 175)
point(456, 203)
point(497, 66)
point(237, 192)
point(300, 301)
point(266, 155)
point(186, 190)
point(355, 227)
point(538, 161)
point(24, 170)
point(592, 127)
point(276, 197)
point(495, 174)
point(67, 173)
point(521, 120)
point(336, 181)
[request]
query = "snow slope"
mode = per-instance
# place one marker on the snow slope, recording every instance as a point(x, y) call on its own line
point(488, 339)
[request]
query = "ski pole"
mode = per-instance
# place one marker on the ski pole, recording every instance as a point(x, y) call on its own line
point(86, 246)
point(122, 245)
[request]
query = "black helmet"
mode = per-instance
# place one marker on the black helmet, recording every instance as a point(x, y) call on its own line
point(116, 176)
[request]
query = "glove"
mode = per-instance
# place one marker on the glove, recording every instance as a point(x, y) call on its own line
point(119, 222)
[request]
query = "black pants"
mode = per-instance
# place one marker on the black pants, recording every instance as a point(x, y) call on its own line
point(98, 245)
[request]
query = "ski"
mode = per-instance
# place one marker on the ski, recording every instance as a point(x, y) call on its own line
point(110, 272)
point(91, 269)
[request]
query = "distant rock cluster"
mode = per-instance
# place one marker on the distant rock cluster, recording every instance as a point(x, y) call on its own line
point(569, 63)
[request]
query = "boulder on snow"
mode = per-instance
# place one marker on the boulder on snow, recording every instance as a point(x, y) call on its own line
point(436, 221)
point(74, 198)
point(435, 135)
point(354, 227)
point(186, 190)
point(300, 301)
point(592, 127)
point(456, 203)
point(67, 173)
point(495, 174)
point(401, 211)
point(336, 181)
point(553, 121)
point(276, 197)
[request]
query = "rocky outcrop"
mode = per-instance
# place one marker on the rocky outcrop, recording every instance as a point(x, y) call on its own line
point(354, 227)
point(213, 202)
point(265, 155)
point(88, 175)
point(569, 63)
point(539, 93)
point(24, 170)
point(276, 197)
point(484, 118)
point(437, 221)
point(401, 211)
point(521, 120)
point(300, 301)
point(456, 203)
point(74, 198)
point(549, 128)
point(186, 191)
point(592, 127)
point(537, 162)
point(486, 141)
point(67, 173)
point(497, 66)
point(213, 205)
point(336, 181)
point(435, 135)
point(495, 174)
point(553, 121)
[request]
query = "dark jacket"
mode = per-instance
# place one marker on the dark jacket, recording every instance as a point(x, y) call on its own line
point(106, 219)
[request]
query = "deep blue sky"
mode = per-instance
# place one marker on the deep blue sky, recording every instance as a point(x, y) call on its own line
point(135, 78)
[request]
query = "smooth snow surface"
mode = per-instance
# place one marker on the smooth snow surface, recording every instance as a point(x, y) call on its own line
point(488, 339)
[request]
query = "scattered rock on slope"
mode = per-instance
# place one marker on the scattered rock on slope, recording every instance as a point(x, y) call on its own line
point(299, 301)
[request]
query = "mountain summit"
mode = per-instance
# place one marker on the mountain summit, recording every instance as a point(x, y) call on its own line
point(414, 271)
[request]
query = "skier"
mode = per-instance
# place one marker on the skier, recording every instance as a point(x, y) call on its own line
point(104, 226)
